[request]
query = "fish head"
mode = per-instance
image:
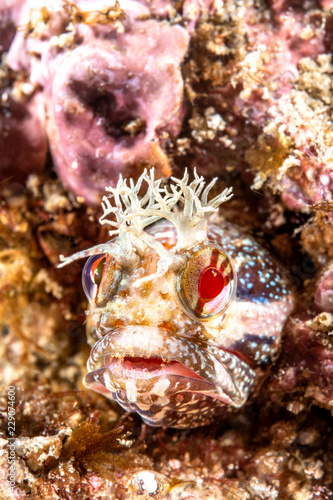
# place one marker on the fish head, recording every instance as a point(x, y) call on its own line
point(169, 314)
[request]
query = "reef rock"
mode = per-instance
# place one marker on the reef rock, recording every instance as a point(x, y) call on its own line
point(111, 85)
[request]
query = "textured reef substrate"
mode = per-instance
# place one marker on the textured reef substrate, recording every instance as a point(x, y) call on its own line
point(251, 104)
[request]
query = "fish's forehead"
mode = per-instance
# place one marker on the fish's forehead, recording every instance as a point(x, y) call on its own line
point(164, 232)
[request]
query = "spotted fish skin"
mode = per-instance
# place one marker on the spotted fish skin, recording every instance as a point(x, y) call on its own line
point(186, 314)
point(264, 297)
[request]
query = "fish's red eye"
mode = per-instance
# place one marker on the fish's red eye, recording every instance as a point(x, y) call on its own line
point(207, 282)
point(97, 269)
point(100, 278)
point(211, 283)
point(92, 275)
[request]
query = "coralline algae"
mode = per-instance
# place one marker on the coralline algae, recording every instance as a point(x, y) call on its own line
point(111, 86)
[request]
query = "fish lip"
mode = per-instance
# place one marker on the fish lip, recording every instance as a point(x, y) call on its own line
point(220, 371)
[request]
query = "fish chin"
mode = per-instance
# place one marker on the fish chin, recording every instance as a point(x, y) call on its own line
point(165, 377)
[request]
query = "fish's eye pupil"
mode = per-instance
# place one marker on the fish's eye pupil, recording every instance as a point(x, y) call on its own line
point(97, 270)
point(211, 283)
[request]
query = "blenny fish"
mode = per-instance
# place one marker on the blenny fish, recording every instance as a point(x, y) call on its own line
point(186, 310)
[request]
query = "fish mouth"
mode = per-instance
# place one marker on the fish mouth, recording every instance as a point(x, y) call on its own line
point(142, 364)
